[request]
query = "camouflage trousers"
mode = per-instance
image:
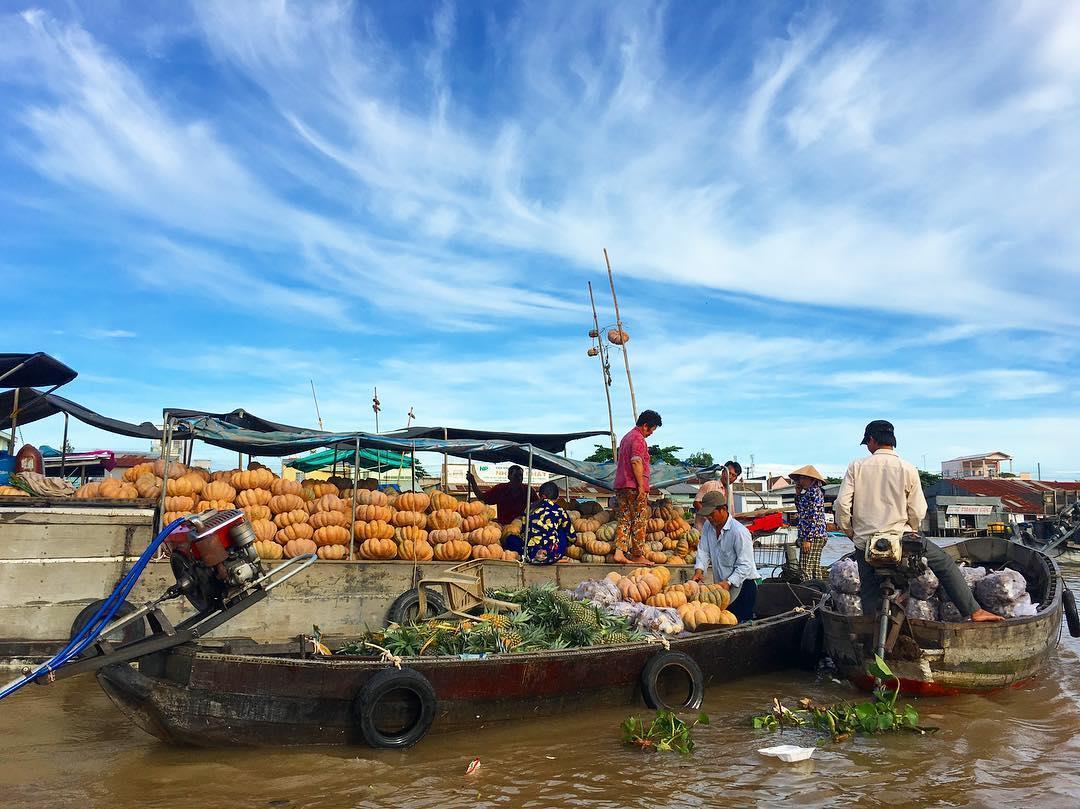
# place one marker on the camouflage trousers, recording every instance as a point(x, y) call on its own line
point(633, 522)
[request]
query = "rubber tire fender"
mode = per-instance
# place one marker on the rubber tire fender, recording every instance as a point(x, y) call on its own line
point(811, 643)
point(409, 600)
point(1068, 601)
point(375, 689)
point(134, 631)
point(650, 676)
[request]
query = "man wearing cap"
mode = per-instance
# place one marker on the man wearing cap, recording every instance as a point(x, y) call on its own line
point(883, 494)
point(810, 507)
point(726, 544)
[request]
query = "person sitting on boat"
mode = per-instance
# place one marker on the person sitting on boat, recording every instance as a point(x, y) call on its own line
point(508, 498)
point(729, 473)
point(726, 546)
point(632, 490)
point(550, 529)
point(810, 507)
point(882, 495)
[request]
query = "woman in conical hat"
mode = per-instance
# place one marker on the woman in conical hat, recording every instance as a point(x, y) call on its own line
point(810, 506)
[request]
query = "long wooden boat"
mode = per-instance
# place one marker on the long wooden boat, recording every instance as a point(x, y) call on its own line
point(937, 658)
point(203, 695)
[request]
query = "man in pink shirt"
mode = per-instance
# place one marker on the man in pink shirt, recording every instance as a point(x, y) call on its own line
point(632, 490)
point(729, 473)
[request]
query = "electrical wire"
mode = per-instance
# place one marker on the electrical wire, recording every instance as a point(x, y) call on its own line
point(100, 620)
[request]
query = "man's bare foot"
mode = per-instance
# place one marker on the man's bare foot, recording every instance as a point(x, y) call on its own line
point(619, 558)
point(985, 615)
point(641, 560)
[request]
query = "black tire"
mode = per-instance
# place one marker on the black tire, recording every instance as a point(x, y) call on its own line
point(406, 607)
point(415, 698)
point(134, 631)
point(812, 643)
point(657, 688)
point(817, 584)
point(1068, 601)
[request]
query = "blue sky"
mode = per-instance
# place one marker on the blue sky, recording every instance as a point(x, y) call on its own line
point(819, 214)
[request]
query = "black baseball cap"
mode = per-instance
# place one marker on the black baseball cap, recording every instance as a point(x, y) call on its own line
point(881, 431)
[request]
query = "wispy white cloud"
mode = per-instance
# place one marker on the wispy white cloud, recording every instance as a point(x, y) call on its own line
point(109, 334)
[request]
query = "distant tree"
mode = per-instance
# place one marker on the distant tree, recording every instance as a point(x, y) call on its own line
point(1006, 475)
point(700, 458)
point(601, 454)
point(830, 481)
point(657, 454)
point(928, 478)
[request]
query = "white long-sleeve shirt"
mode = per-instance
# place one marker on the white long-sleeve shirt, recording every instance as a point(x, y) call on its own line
point(731, 554)
point(881, 493)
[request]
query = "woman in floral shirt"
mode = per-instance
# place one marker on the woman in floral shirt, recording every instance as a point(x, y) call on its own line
point(550, 528)
point(810, 506)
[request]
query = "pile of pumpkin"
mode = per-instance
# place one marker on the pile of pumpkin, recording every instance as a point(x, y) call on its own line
point(670, 539)
point(699, 605)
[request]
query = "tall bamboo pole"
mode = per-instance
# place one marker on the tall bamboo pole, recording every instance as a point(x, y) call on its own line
point(355, 485)
point(618, 325)
point(605, 371)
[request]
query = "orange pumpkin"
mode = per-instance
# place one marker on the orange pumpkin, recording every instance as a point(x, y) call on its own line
point(488, 535)
point(296, 530)
point(668, 598)
point(282, 486)
point(179, 504)
point(378, 549)
point(88, 491)
point(169, 516)
point(697, 615)
point(403, 518)
point(410, 533)
point(224, 474)
point(138, 471)
point(471, 508)
point(376, 529)
point(443, 519)
point(220, 505)
point(456, 550)
point(264, 529)
point(714, 594)
point(369, 497)
point(487, 552)
point(322, 519)
point(281, 503)
point(176, 487)
point(219, 490)
point(329, 502)
point(415, 550)
point(253, 497)
point(474, 522)
point(176, 469)
point(268, 550)
point(369, 513)
point(634, 589)
point(597, 547)
point(253, 479)
point(660, 572)
point(510, 556)
point(444, 535)
point(441, 501)
point(333, 552)
point(289, 517)
point(331, 535)
point(574, 552)
point(299, 547)
point(258, 513)
point(413, 501)
point(148, 487)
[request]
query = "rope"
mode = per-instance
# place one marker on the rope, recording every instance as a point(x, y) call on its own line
point(661, 639)
point(387, 656)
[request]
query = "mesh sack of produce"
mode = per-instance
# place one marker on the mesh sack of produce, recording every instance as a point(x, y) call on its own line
point(972, 574)
point(924, 608)
point(846, 603)
point(626, 609)
point(844, 576)
point(924, 585)
point(947, 611)
point(664, 620)
point(601, 592)
point(1020, 608)
point(997, 590)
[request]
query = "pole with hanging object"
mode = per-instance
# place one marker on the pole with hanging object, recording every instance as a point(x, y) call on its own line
point(315, 398)
point(618, 325)
point(605, 370)
point(355, 484)
point(376, 406)
point(528, 505)
point(63, 450)
point(413, 465)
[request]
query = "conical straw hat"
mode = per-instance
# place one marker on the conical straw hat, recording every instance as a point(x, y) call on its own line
point(809, 471)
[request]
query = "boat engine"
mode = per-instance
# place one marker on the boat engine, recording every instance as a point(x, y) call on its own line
point(213, 557)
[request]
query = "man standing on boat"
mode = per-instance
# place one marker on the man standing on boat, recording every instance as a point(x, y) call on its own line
point(508, 498)
point(729, 473)
point(727, 546)
point(632, 490)
point(882, 495)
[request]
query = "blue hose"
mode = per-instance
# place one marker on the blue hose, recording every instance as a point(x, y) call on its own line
point(101, 619)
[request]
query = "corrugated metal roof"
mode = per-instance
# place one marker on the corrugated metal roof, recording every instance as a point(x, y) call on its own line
point(1019, 496)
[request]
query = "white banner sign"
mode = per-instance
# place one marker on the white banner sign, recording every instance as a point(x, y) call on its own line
point(956, 509)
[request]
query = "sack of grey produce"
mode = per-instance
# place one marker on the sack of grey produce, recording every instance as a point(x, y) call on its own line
point(972, 574)
point(846, 603)
point(947, 611)
point(924, 608)
point(1020, 608)
point(999, 591)
point(924, 585)
point(844, 576)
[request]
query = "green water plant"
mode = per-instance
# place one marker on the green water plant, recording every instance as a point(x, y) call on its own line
point(665, 732)
point(843, 720)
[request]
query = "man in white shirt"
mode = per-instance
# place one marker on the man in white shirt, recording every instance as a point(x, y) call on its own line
point(727, 546)
point(883, 494)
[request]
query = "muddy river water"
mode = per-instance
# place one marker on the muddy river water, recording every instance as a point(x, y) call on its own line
point(66, 746)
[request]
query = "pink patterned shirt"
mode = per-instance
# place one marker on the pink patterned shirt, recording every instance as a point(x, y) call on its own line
point(633, 445)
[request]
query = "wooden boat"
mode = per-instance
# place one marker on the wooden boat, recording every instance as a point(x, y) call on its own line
point(206, 695)
point(937, 658)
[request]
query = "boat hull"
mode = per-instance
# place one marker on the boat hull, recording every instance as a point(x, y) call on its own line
point(193, 696)
point(936, 658)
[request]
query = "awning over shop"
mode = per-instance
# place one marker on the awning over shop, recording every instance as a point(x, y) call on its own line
point(369, 459)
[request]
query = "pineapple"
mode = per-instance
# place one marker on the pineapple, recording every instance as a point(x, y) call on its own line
point(581, 614)
point(516, 629)
point(499, 621)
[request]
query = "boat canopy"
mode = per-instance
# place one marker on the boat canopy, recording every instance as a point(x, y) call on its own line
point(552, 442)
point(27, 370)
point(369, 459)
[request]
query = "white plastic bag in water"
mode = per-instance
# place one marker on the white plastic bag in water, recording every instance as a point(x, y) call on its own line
point(844, 576)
